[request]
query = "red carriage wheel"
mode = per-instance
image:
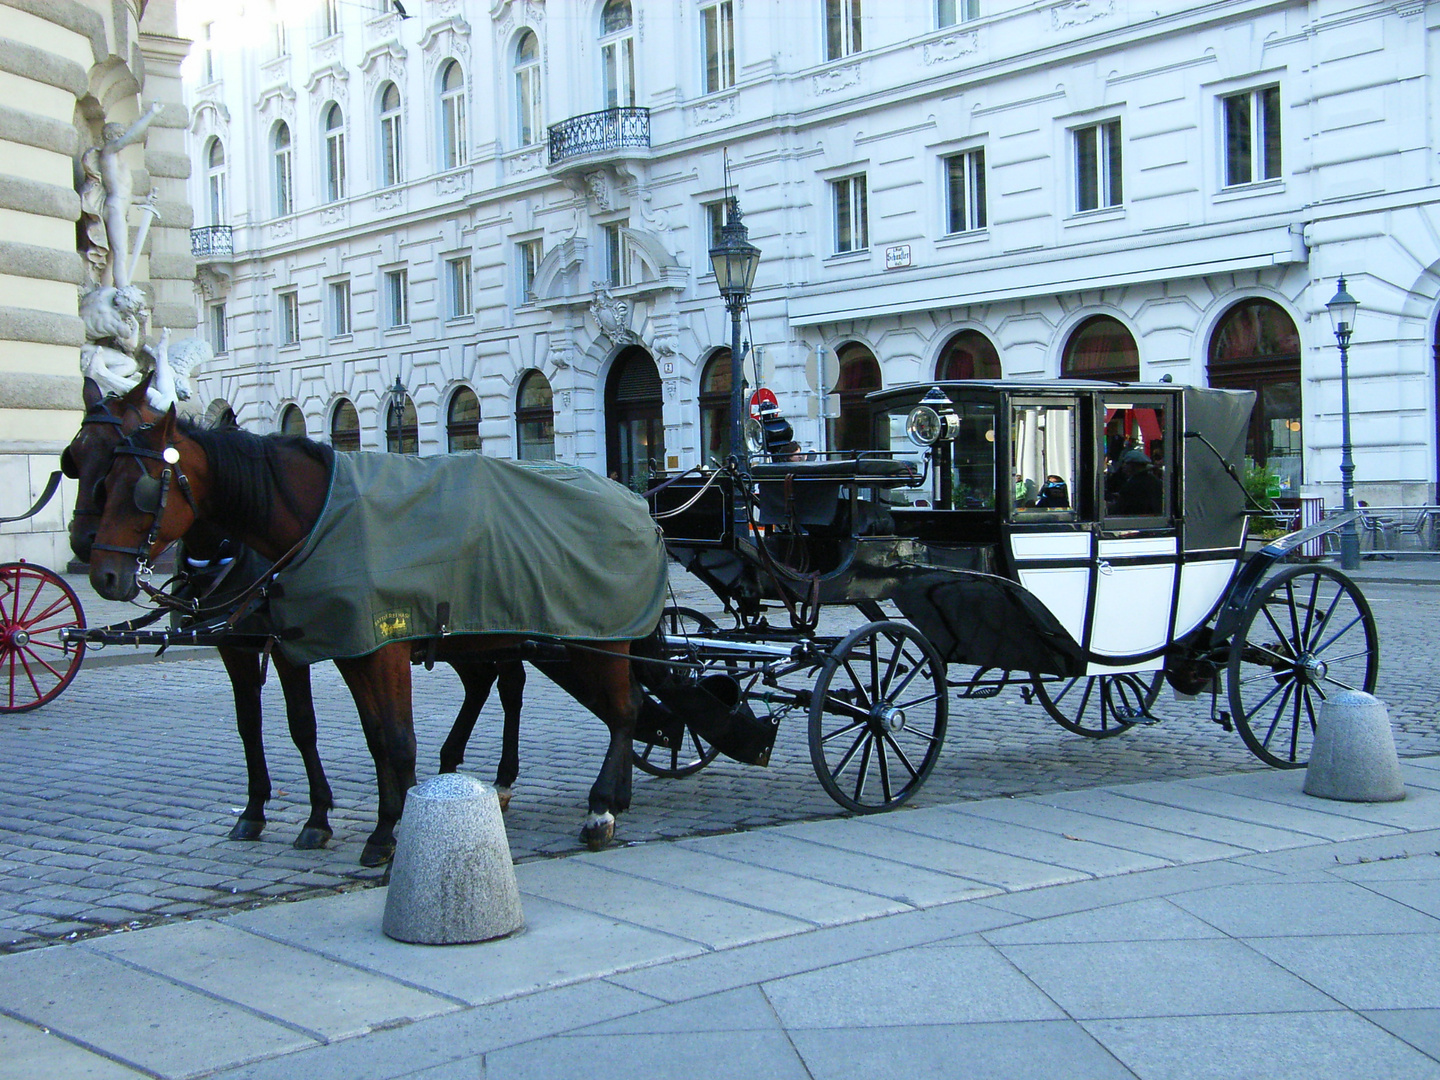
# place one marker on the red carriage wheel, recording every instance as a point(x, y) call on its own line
point(35, 665)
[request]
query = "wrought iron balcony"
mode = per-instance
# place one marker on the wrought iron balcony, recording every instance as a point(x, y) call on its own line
point(600, 132)
point(210, 241)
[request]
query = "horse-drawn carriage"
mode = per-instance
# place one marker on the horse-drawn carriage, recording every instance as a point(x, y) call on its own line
point(1081, 542)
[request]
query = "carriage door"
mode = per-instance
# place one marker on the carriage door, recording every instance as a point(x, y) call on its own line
point(1049, 543)
point(1136, 549)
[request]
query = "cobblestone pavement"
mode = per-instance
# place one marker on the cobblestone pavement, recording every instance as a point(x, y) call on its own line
point(117, 797)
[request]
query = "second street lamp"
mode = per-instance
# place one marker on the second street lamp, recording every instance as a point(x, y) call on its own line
point(395, 435)
point(1342, 308)
point(735, 260)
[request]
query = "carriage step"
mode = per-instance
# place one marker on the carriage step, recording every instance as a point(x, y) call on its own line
point(982, 692)
point(1136, 716)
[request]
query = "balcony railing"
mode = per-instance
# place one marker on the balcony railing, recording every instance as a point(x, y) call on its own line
point(211, 240)
point(608, 129)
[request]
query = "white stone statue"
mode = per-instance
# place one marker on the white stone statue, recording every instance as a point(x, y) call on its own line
point(173, 362)
point(115, 316)
point(112, 196)
point(114, 372)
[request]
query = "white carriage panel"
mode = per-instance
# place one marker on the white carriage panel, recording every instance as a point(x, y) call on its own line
point(1202, 584)
point(1066, 545)
point(1155, 663)
point(1132, 609)
point(1064, 591)
point(1140, 545)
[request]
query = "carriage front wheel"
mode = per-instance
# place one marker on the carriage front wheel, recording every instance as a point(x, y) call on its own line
point(35, 665)
point(1307, 633)
point(877, 719)
point(693, 753)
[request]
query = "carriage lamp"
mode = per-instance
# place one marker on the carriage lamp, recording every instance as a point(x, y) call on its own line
point(396, 408)
point(933, 420)
point(1342, 308)
point(735, 261)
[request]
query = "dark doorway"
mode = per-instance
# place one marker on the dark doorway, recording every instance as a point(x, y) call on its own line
point(635, 426)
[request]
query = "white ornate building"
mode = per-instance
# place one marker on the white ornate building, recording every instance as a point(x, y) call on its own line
point(506, 205)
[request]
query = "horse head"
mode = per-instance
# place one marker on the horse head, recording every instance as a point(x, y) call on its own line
point(140, 516)
point(108, 418)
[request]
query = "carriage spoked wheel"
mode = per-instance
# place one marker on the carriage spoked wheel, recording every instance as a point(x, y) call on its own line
point(35, 665)
point(694, 753)
point(1099, 706)
point(877, 717)
point(1307, 633)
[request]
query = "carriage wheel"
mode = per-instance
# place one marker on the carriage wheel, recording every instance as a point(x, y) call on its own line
point(1098, 706)
point(35, 605)
point(1307, 633)
point(693, 754)
point(877, 719)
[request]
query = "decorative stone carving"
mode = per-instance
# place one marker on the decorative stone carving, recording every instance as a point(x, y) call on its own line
point(328, 82)
point(612, 316)
point(658, 220)
point(664, 347)
point(282, 227)
point(277, 103)
point(332, 215)
point(837, 79)
point(713, 110)
point(115, 317)
point(390, 199)
point(452, 183)
point(448, 37)
point(598, 189)
point(527, 161)
point(951, 47)
point(384, 62)
point(1077, 12)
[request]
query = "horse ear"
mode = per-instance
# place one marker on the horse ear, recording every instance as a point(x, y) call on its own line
point(135, 396)
point(167, 425)
point(93, 394)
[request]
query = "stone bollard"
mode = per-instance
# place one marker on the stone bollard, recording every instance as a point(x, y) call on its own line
point(1354, 759)
point(452, 880)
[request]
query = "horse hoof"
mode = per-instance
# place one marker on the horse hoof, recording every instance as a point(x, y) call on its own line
point(247, 829)
point(377, 854)
point(503, 794)
point(599, 830)
point(312, 838)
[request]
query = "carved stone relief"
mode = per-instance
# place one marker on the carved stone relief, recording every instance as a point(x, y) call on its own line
point(713, 110)
point(837, 79)
point(1076, 12)
point(951, 47)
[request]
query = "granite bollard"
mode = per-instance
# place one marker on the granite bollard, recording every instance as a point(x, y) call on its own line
point(1354, 759)
point(452, 881)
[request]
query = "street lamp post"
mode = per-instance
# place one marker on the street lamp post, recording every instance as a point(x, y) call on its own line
point(1342, 308)
point(396, 409)
point(735, 261)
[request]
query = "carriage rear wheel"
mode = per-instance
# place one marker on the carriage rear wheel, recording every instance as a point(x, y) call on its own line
point(35, 665)
point(1098, 706)
point(877, 718)
point(693, 753)
point(1306, 633)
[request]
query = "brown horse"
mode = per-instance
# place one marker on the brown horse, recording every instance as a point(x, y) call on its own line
point(87, 459)
point(268, 492)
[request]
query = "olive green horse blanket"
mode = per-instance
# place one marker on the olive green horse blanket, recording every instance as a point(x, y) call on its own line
point(410, 547)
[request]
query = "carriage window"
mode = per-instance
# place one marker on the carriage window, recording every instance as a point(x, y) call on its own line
point(1137, 482)
point(1042, 459)
point(962, 472)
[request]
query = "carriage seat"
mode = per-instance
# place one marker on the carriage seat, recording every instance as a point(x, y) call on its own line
point(807, 495)
point(870, 472)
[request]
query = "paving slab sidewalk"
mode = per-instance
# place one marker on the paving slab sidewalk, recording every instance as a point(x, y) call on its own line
point(1228, 926)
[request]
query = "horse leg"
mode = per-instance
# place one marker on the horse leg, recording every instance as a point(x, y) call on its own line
point(243, 667)
point(512, 694)
point(380, 685)
point(477, 676)
point(300, 711)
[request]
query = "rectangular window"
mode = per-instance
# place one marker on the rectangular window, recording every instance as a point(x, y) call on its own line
point(527, 256)
point(391, 163)
point(618, 61)
point(852, 231)
point(335, 165)
point(279, 40)
point(397, 298)
point(617, 269)
point(207, 38)
point(218, 340)
point(1252, 136)
point(289, 318)
point(950, 12)
point(718, 27)
point(339, 308)
point(714, 222)
point(457, 277)
point(965, 192)
point(842, 28)
point(330, 18)
point(1097, 166)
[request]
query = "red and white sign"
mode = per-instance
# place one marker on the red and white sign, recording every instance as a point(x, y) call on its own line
point(763, 396)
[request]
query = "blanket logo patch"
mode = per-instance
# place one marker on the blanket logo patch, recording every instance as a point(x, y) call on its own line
point(392, 624)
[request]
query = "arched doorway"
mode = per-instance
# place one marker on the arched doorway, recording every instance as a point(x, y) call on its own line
point(1255, 346)
point(462, 421)
point(715, 410)
point(968, 355)
point(635, 428)
point(1101, 348)
point(859, 374)
point(535, 418)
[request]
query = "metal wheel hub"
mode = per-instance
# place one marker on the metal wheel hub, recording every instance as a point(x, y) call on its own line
point(887, 718)
point(15, 637)
point(1311, 669)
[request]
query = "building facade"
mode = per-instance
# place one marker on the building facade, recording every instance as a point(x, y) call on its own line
point(68, 68)
point(464, 225)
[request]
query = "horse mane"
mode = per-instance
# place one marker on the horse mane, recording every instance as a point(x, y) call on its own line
point(253, 470)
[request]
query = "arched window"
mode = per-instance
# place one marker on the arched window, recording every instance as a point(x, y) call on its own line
point(634, 419)
point(859, 374)
point(345, 427)
point(1101, 348)
point(715, 410)
point(215, 182)
point(453, 144)
point(535, 419)
point(334, 154)
point(462, 421)
point(617, 54)
point(284, 167)
point(392, 155)
point(1256, 347)
point(968, 355)
point(528, 124)
point(404, 437)
point(292, 421)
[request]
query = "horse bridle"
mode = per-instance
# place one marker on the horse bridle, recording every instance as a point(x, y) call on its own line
point(150, 493)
